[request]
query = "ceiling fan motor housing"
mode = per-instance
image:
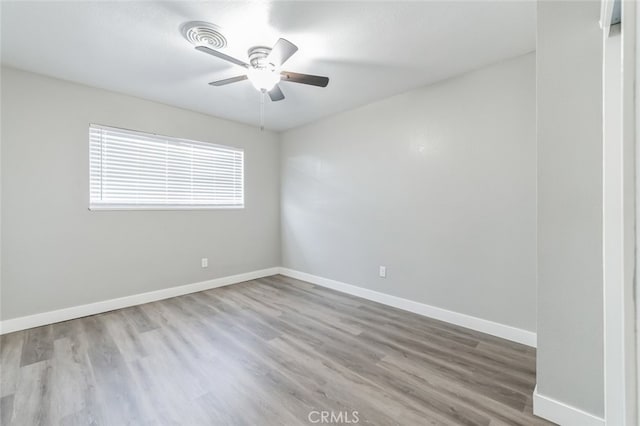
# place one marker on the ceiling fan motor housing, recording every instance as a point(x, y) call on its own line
point(258, 58)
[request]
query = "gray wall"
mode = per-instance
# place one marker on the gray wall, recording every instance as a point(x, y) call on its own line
point(56, 253)
point(438, 184)
point(570, 323)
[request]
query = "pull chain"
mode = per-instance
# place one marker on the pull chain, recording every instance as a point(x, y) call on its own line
point(262, 92)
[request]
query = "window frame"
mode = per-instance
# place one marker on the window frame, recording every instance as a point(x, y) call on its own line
point(160, 207)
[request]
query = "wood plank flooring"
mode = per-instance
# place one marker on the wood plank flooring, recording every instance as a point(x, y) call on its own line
point(273, 351)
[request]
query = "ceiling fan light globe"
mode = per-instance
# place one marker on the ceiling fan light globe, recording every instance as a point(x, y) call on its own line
point(263, 79)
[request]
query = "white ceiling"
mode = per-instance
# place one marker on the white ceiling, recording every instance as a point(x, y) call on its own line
point(369, 50)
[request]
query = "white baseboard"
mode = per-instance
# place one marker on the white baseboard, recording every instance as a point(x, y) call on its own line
point(485, 326)
point(36, 320)
point(561, 413)
point(478, 324)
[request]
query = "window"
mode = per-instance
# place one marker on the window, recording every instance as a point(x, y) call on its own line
point(134, 170)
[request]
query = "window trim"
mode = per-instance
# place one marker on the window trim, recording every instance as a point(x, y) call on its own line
point(92, 206)
point(161, 207)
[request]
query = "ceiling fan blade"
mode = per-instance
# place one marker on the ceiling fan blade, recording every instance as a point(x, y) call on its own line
point(313, 80)
point(276, 94)
point(282, 50)
point(228, 80)
point(221, 55)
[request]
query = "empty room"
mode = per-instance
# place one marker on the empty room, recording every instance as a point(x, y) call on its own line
point(319, 212)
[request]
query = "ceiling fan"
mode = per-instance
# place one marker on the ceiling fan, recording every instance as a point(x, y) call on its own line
point(263, 69)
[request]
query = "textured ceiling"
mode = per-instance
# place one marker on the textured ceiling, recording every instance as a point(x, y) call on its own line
point(370, 50)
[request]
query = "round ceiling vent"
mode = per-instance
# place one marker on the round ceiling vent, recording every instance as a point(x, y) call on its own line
point(202, 33)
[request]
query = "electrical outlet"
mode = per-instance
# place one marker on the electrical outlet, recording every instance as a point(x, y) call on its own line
point(383, 272)
point(205, 262)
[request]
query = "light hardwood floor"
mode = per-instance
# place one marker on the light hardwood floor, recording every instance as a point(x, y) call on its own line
point(273, 351)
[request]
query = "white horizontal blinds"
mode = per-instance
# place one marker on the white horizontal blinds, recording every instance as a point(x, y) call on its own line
point(133, 169)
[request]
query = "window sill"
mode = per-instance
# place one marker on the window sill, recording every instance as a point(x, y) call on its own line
point(161, 207)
